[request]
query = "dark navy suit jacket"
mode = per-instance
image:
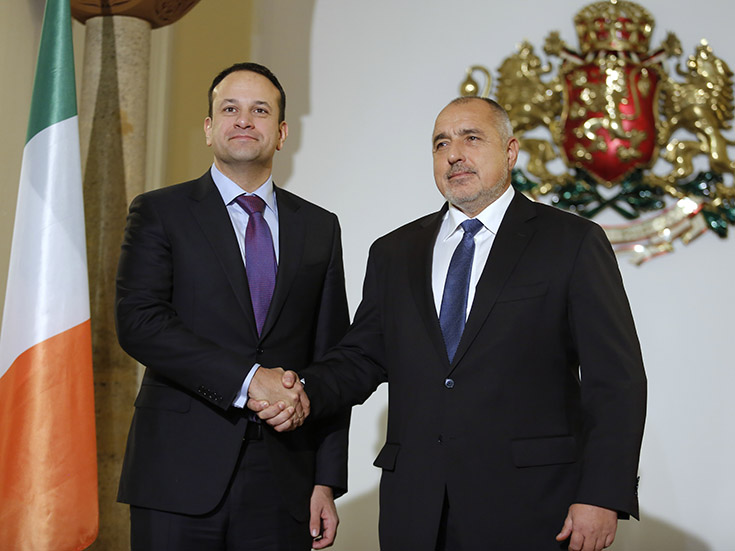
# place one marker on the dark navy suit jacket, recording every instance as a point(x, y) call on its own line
point(183, 310)
point(508, 429)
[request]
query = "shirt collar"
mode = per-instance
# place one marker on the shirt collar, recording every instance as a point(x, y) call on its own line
point(229, 190)
point(491, 216)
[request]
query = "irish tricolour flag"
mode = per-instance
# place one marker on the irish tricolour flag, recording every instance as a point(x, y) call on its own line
point(48, 466)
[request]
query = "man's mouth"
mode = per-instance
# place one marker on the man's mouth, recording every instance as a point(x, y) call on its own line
point(456, 172)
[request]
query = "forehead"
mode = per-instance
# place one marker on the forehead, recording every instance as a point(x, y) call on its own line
point(473, 114)
point(245, 85)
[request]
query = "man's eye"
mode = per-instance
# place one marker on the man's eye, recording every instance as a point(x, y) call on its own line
point(229, 109)
point(440, 145)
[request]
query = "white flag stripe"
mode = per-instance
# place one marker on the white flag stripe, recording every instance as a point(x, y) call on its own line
point(47, 291)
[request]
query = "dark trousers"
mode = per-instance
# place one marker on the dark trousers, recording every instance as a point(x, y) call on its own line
point(251, 516)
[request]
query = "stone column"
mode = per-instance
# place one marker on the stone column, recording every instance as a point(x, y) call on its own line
point(112, 124)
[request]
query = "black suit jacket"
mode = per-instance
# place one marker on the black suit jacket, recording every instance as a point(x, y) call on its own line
point(183, 310)
point(508, 428)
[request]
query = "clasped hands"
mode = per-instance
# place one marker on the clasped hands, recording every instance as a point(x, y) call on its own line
point(279, 399)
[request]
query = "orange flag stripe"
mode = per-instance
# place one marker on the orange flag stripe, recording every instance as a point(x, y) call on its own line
point(48, 459)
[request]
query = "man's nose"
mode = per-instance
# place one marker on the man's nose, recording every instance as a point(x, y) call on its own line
point(455, 154)
point(244, 120)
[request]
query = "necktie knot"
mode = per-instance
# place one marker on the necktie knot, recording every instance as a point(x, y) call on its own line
point(471, 226)
point(251, 204)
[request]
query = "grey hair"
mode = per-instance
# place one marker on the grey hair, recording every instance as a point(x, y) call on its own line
point(505, 127)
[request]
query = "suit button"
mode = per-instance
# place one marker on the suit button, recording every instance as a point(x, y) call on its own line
point(449, 383)
point(440, 439)
point(258, 350)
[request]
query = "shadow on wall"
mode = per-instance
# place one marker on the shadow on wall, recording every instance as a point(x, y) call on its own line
point(291, 64)
point(653, 534)
point(358, 527)
point(37, 7)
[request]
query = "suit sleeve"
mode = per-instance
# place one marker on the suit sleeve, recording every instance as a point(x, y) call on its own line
point(613, 382)
point(332, 323)
point(148, 326)
point(351, 371)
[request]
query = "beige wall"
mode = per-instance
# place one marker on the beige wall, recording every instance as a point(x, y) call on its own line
point(213, 36)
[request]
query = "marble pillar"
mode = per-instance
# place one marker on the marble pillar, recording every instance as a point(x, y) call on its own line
point(112, 120)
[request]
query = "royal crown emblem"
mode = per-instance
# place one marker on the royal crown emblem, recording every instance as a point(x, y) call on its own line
point(632, 139)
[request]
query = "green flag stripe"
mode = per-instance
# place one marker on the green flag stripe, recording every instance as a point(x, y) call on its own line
point(54, 93)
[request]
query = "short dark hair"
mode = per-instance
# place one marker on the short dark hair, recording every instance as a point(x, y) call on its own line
point(253, 68)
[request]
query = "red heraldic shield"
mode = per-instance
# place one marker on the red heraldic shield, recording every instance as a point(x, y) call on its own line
point(610, 113)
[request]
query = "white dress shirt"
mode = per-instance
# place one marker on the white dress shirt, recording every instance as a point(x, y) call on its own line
point(449, 236)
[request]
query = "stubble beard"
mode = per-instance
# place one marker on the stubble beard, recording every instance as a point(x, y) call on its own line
point(473, 203)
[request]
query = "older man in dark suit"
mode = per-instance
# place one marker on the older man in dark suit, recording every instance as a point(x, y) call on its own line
point(217, 276)
point(516, 387)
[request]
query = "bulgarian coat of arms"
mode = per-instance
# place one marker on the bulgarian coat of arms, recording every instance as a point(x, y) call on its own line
point(633, 140)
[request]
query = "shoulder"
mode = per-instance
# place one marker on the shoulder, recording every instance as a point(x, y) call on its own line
point(568, 235)
point(196, 188)
point(287, 199)
point(555, 220)
point(420, 225)
point(411, 235)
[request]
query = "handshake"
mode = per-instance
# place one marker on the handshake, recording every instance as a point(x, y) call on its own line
point(279, 399)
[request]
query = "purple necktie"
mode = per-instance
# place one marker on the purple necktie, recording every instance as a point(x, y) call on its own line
point(260, 258)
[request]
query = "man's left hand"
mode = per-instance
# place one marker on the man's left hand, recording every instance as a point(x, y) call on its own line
point(324, 519)
point(589, 528)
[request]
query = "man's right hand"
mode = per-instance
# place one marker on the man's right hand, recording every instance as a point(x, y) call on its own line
point(278, 398)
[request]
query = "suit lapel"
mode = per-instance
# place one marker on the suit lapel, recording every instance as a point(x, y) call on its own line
point(211, 214)
point(510, 242)
point(419, 277)
point(292, 231)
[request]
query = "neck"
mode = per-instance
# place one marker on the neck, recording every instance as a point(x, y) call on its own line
point(248, 177)
point(472, 209)
point(484, 200)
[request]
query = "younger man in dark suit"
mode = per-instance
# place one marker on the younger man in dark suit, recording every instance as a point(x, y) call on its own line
point(216, 276)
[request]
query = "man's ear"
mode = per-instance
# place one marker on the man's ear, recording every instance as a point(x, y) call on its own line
point(208, 130)
point(513, 148)
point(282, 135)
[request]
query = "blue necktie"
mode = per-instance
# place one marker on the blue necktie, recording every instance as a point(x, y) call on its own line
point(260, 258)
point(454, 300)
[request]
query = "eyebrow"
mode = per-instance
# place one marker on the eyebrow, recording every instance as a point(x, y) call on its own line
point(463, 132)
point(262, 102)
point(237, 102)
point(466, 131)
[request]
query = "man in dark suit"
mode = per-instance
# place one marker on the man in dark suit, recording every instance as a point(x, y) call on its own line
point(217, 276)
point(481, 317)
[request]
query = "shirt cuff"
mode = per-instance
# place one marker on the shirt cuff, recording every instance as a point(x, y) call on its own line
point(242, 397)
